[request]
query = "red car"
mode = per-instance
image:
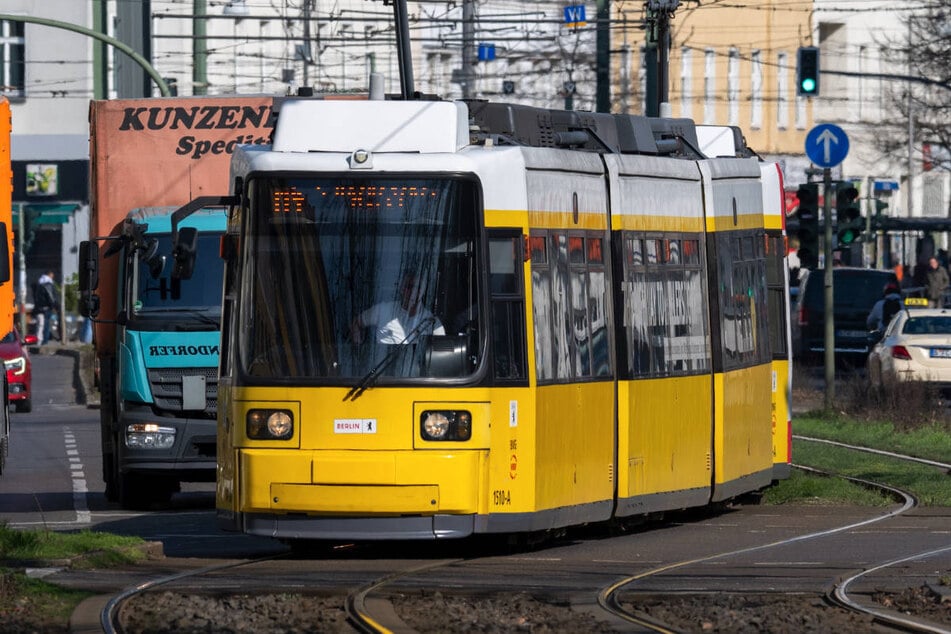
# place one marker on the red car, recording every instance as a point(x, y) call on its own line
point(16, 360)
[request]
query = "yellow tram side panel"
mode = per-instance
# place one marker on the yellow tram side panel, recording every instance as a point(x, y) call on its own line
point(781, 416)
point(742, 440)
point(574, 431)
point(773, 219)
point(575, 421)
point(391, 470)
point(664, 440)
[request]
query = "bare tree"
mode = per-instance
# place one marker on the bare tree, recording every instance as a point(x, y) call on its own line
point(925, 98)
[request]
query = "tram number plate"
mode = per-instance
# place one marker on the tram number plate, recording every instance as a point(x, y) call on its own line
point(941, 353)
point(501, 497)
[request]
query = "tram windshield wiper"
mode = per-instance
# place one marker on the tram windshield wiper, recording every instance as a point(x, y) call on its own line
point(374, 374)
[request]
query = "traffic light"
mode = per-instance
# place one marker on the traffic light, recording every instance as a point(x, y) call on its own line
point(807, 71)
point(848, 216)
point(808, 214)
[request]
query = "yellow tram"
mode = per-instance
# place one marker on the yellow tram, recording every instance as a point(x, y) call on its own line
point(443, 319)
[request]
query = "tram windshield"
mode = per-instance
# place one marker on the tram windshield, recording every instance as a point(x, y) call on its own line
point(359, 280)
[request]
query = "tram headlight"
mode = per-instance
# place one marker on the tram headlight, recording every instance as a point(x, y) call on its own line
point(149, 436)
point(270, 424)
point(445, 425)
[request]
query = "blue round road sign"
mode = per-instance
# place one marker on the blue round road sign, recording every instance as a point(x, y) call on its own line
point(827, 145)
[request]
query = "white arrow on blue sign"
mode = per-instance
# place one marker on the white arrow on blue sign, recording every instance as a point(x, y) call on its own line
point(827, 145)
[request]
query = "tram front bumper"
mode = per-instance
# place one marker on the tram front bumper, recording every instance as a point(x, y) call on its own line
point(357, 484)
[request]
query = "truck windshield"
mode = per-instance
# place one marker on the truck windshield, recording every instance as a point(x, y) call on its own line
point(359, 280)
point(156, 292)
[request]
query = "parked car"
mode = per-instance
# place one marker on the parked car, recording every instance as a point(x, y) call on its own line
point(854, 292)
point(916, 346)
point(16, 361)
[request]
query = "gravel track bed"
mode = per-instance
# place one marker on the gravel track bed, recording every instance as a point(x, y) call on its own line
point(167, 612)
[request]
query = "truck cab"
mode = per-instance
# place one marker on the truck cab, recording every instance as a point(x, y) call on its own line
point(159, 373)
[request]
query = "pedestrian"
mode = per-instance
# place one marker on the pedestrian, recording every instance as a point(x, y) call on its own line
point(937, 282)
point(45, 302)
point(884, 309)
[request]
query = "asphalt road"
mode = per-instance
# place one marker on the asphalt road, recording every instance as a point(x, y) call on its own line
point(54, 477)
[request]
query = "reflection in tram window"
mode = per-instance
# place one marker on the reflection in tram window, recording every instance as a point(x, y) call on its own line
point(664, 307)
point(569, 299)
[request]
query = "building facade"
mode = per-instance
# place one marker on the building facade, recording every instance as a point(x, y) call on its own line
point(729, 63)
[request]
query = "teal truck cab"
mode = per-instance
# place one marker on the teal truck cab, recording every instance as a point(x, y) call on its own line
point(158, 376)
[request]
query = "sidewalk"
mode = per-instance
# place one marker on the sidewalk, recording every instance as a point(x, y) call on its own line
point(84, 355)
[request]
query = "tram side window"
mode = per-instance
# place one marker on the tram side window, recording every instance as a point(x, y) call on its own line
point(663, 312)
point(507, 302)
point(569, 294)
point(775, 280)
point(744, 306)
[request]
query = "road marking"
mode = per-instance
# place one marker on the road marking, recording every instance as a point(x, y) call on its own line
point(83, 516)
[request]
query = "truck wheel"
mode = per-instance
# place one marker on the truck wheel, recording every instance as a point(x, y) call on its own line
point(139, 492)
point(109, 476)
point(131, 491)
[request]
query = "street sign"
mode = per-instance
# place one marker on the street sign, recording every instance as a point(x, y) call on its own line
point(827, 145)
point(574, 16)
point(486, 52)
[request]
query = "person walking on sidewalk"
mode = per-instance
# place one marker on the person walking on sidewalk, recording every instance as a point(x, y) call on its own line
point(937, 282)
point(44, 303)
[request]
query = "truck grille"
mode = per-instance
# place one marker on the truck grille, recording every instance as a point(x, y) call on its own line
point(166, 384)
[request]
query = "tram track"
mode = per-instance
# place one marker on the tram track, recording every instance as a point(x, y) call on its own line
point(369, 608)
point(839, 595)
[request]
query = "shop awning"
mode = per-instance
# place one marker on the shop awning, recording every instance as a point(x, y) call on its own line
point(45, 213)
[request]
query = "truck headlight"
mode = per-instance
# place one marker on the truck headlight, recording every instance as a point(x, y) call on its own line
point(445, 425)
point(149, 436)
point(17, 365)
point(270, 424)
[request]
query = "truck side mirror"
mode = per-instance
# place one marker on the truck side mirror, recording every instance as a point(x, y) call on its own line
point(88, 266)
point(184, 251)
point(88, 304)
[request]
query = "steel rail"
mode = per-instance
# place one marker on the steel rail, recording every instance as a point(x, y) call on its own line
point(840, 596)
point(607, 597)
point(356, 608)
point(109, 616)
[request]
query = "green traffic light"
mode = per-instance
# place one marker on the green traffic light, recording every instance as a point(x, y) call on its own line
point(808, 84)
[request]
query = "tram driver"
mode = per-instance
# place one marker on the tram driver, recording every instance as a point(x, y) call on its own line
point(402, 321)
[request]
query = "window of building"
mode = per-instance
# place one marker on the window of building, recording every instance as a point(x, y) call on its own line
point(733, 86)
point(686, 83)
point(756, 90)
point(782, 90)
point(12, 46)
point(710, 86)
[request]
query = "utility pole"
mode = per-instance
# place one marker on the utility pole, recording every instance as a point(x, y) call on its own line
point(468, 48)
point(305, 50)
point(603, 57)
point(200, 47)
point(404, 52)
point(659, 14)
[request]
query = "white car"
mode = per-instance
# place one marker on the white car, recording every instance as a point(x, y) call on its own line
point(916, 346)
